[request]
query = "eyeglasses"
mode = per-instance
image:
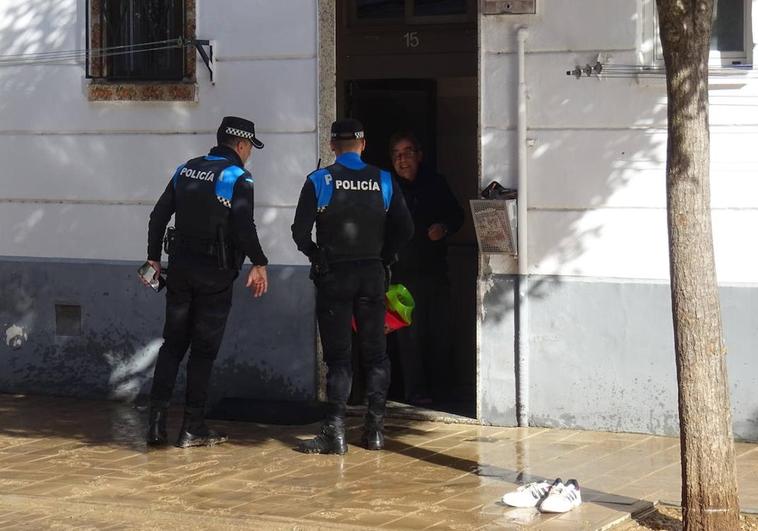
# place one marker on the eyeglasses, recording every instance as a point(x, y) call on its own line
point(405, 154)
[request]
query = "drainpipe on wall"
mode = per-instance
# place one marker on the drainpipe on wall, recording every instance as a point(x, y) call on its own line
point(522, 370)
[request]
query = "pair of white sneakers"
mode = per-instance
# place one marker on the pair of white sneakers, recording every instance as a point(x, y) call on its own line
point(555, 497)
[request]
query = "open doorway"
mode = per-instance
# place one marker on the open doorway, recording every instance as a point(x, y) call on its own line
point(412, 64)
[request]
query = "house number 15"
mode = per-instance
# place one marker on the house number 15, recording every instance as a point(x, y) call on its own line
point(412, 39)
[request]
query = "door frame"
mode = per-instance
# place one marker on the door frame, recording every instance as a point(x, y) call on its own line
point(328, 100)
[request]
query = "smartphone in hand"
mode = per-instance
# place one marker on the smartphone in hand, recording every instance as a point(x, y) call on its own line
point(147, 272)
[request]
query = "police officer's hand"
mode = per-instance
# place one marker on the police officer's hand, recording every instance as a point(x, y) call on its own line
point(257, 281)
point(437, 231)
point(157, 267)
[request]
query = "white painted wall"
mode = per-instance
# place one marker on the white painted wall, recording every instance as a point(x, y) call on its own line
point(80, 178)
point(598, 154)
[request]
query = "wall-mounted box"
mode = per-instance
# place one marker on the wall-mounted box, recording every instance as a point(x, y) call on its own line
point(496, 225)
point(509, 7)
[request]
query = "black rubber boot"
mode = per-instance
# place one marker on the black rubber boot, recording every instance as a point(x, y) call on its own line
point(373, 433)
point(331, 440)
point(194, 432)
point(156, 428)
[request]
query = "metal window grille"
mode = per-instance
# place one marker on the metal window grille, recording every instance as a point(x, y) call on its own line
point(136, 40)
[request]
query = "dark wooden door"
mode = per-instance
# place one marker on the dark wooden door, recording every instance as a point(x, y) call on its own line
point(386, 106)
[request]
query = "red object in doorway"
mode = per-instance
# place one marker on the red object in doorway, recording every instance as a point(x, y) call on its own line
point(392, 322)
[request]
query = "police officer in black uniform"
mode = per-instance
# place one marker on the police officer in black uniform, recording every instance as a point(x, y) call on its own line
point(361, 221)
point(212, 199)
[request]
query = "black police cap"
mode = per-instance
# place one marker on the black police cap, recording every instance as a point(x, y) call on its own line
point(347, 129)
point(239, 127)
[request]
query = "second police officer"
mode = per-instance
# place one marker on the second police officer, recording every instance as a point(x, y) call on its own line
point(212, 200)
point(361, 221)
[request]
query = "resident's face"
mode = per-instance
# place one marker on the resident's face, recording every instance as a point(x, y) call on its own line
point(406, 159)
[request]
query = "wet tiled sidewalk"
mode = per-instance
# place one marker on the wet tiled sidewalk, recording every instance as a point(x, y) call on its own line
point(68, 464)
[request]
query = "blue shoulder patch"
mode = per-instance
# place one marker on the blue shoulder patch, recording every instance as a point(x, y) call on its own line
point(226, 181)
point(175, 178)
point(386, 179)
point(324, 186)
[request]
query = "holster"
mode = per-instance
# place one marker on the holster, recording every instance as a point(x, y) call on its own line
point(169, 241)
point(225, 252)
point(222, 251)
point(229, 256)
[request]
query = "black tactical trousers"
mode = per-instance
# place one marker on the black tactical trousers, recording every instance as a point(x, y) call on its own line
point(353, 289)
point(197, 305)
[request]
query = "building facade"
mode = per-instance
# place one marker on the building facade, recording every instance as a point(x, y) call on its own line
point(91, 140)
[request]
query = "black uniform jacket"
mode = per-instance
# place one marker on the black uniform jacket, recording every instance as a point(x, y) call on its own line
point(205, 193)
point(358, 211)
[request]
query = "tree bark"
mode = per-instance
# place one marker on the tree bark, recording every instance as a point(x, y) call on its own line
point(709, 483)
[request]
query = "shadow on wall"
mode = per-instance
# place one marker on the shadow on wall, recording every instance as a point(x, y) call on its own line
point(598, 205)
point(568, 232)
point(102, 349)
point(577, 170)
point(108, 347)
point(76, 171)
point(37, 26)
point(121, 321)
point(597, 191)
point(85, 172)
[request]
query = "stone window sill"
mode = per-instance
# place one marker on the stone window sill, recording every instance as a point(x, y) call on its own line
point(142, 92)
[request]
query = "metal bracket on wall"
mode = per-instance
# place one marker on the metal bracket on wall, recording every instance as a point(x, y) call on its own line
point(729, 75)
point(208, 57)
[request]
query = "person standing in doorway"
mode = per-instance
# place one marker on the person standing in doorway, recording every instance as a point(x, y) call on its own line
point(212, 200)
point(361, 220)
point(423, 348)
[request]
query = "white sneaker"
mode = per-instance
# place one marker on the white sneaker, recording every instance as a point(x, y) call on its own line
point(528, 495)
point(562, 498)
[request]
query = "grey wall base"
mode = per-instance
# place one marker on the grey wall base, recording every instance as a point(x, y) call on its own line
point(496, 374)
point(602, 355)
point(267, 352)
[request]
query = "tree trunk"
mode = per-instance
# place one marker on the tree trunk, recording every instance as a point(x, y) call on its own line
point(709, 483)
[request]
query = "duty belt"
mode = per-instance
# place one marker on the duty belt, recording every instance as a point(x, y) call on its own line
point(226, 254)
point(176, 241)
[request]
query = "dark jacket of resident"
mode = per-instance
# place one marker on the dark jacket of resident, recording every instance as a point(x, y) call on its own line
point(430, 201)
point(358, 212)
point(206, 193)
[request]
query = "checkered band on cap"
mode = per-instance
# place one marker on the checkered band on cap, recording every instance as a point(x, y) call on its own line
point(347, 136)
point(239, 132)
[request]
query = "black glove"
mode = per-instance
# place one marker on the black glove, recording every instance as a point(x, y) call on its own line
point(319, 265)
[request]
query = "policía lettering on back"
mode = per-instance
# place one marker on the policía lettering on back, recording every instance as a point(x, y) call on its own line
point(199, 175)
point(365, 186)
